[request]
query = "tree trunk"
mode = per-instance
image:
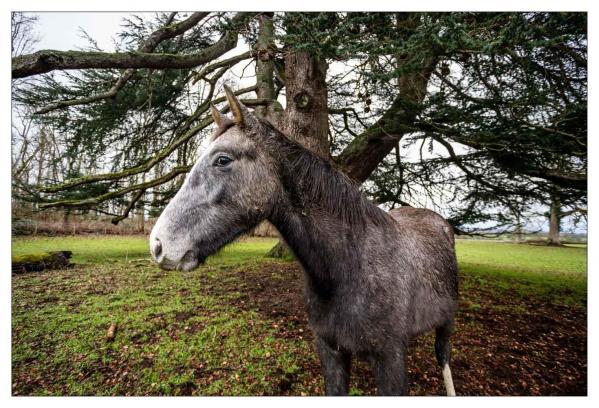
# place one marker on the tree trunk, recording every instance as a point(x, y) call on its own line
point(43, 153)
point(306, 114)
point(266, 50)
point(140, 218)
point(265, 53)
point(65, 220)
point(554, 222)
point(140, 210)
point(306, 117)
point(518, 229)
point(41, 261)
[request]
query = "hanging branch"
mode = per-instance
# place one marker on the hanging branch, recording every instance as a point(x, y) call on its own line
point(119, 193)
point(125, 213)
point(154, 160)
point(144, 186)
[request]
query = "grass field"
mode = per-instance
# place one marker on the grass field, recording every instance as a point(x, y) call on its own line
point(236, 325)
point(114, 248)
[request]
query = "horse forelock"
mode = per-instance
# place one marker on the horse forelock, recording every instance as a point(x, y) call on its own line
point(221, 130)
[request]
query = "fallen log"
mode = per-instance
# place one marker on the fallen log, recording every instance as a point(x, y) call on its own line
point(41, 261)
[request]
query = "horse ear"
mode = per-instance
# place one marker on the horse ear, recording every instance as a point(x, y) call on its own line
point(241, 115)
point(217, 117)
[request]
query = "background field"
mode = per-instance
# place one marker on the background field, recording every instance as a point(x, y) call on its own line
point(236, 326)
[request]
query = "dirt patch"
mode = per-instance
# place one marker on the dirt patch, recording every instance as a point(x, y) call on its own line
point(505, 346)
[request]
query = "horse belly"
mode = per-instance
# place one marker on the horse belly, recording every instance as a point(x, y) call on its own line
point(355, 324)
point(429, 310)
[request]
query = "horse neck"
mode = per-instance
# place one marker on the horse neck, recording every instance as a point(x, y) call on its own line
point(326, 246)
point(327, 231)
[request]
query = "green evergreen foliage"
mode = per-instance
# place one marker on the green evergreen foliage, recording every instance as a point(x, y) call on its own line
point(500, 127)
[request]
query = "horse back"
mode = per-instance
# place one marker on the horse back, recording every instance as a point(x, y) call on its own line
point(423, 219)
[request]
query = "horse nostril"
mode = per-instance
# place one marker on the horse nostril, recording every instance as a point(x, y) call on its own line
point(157, 248)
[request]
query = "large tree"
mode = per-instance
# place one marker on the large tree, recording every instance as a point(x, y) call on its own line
point(495, 103)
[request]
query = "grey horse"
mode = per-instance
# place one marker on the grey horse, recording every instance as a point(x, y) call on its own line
point(373, 280)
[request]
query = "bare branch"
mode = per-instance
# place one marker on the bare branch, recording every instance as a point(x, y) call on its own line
point(226, 63)
point(458, 162)
point(125, 213)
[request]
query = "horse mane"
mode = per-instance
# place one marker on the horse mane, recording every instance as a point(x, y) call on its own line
point(313, 182)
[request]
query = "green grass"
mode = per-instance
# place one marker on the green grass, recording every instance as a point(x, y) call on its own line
point(87, 249)
point(522, 257)
point(252, 250)
point(170, 330)
point(558, 274)
point(166, 338)
point(181, 333)
point(106, 249)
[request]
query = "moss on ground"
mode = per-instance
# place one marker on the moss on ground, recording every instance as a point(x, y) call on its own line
point(36, 257)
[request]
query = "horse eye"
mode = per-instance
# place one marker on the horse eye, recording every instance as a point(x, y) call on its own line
point(222, 161)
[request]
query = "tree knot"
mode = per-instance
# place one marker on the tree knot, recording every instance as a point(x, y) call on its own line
point(302, 100)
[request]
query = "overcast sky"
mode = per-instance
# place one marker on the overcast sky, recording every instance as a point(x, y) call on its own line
point(61, 31)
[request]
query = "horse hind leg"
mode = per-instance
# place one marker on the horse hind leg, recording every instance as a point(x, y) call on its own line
point(442, 351)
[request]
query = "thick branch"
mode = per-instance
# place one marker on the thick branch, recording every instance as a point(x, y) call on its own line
point(573, 180)
point(226, 63)
point(97, 200)
point(50, 60)
point(575, 210)
point(163, 33)
point(366, 151)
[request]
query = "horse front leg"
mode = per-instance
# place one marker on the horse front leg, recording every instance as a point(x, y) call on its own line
point(389, 371)
point(336, 365)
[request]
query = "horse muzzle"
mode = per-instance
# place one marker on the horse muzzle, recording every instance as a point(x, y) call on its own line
point(188, 262)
